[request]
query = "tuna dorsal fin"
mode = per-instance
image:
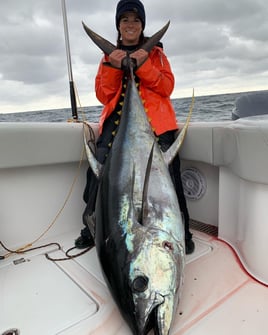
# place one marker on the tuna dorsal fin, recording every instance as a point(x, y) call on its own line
point(175, 147)
point(107, 47)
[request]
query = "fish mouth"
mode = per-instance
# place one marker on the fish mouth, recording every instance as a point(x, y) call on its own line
point(151, 323)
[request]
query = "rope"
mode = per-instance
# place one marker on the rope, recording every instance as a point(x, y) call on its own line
point(19, 251)
point(68, 257)
point(28, 247)
point(46, 254)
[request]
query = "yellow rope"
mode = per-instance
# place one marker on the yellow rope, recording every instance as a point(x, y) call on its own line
point(29, 245)
point(66, 200)
point(187, 122)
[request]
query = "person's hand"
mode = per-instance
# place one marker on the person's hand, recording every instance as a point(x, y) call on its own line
point(140, 56)
point(116, 57)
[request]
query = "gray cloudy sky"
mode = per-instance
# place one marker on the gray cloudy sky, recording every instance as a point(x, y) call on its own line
point(214, 46)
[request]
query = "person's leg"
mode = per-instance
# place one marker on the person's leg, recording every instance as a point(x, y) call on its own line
point(176, 176)
point(165, 141)
point(89, 196)
point(86, 239)
point(91, 189)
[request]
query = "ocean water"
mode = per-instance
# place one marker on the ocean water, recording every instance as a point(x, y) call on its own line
point(206, 108)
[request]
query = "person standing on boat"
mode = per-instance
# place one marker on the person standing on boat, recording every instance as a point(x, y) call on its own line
point(155, 82)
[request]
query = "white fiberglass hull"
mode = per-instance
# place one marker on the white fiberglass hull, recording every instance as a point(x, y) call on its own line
point(39, 163)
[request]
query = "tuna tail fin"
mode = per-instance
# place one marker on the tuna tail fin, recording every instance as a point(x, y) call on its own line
point(107, 47)
point(102, 43)
point(89, 142)
point(153, 40)
point(175, 147)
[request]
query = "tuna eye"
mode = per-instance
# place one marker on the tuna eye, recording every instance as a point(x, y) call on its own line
point(140, 284)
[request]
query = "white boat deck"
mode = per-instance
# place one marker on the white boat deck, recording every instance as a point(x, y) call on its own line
point(70, 297)
point(39, 164)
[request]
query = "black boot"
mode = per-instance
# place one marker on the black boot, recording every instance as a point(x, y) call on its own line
point(85, 240)
point(189, 246)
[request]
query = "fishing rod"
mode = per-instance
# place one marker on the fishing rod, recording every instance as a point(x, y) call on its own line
point(69, 62)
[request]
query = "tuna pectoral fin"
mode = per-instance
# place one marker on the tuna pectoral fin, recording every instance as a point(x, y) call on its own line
point(145, 209)
point(175, 147)
point(89, 142)
point(141, 213)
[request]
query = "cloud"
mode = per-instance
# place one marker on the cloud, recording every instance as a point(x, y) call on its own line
point(214, 46)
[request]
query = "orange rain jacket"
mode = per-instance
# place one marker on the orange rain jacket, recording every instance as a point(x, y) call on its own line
point(156, 86)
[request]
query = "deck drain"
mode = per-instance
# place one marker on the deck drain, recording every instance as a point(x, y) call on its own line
point(13, 331)
point(204, 228)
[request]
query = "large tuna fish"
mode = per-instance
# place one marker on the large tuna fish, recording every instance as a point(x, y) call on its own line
point(139, 233)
